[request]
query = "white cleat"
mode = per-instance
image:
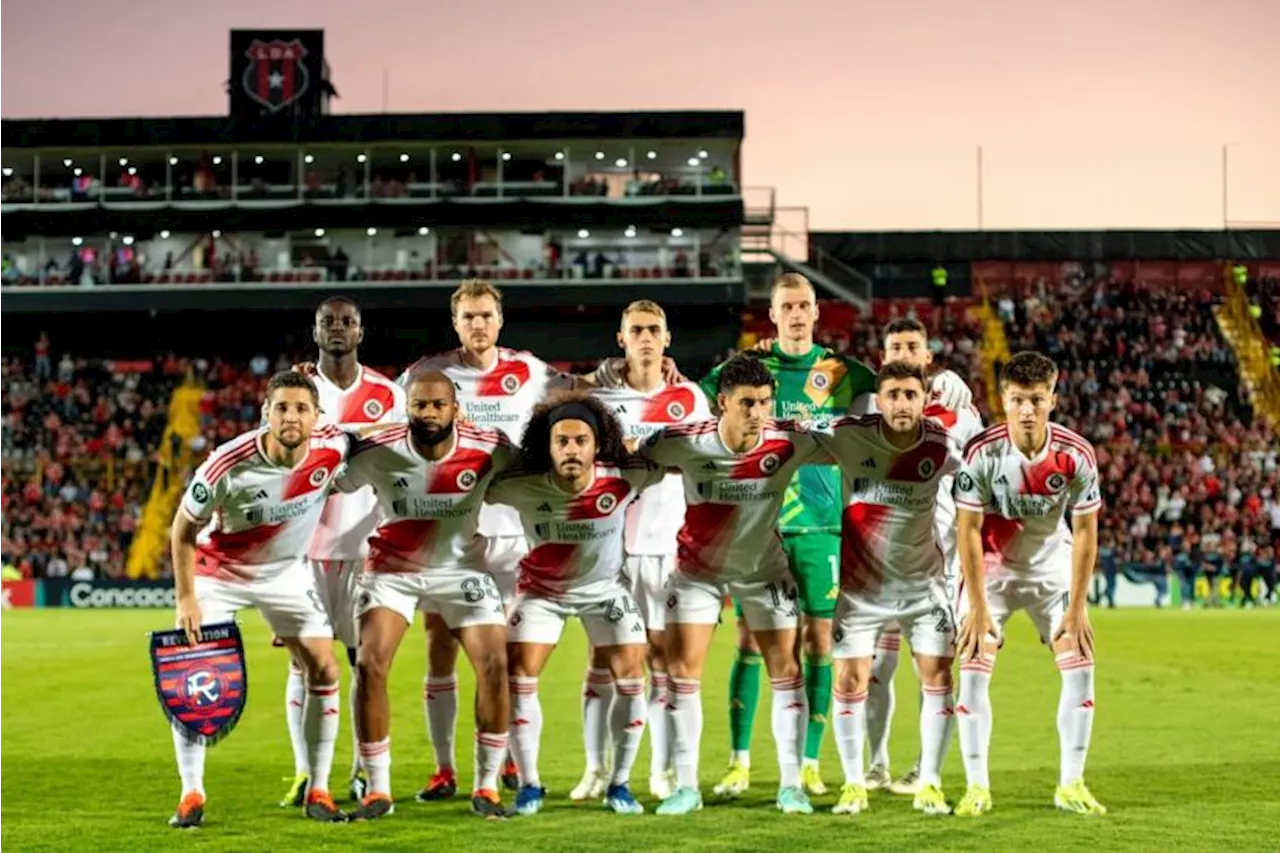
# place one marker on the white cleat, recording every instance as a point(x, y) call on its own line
point(592, 787)
point(662, 785)
point(908, 784)
point(878, 778)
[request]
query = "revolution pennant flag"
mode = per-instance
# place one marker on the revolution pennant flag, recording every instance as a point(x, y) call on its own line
point(202, 688)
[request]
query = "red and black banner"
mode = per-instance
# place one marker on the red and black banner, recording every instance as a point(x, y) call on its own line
point(276, 75)
point(202, 688)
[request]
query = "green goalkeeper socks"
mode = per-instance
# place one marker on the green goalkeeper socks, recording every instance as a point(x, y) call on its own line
point(744, 696)
point(817, 688)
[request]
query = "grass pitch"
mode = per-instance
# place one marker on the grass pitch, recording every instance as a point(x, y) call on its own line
point(1186, 752)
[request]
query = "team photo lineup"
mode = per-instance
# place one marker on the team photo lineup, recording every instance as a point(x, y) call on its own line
point(839, 509)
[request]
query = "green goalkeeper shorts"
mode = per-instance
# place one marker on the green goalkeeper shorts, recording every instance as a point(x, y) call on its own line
point(815, 563)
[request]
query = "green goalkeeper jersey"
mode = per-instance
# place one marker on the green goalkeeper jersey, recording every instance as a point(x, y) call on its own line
point(819, 385)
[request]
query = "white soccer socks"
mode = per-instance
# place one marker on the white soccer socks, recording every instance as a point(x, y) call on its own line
point(440, 706)
point(1075, 715)
point(790, 720)
point(626, 726)
point(851, 734)
point(526, 727)
point(973, 713)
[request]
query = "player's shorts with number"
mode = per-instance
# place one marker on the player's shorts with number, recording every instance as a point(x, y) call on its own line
point(1043, 595)
point(287, 599)
point(502, 556)
point(768, 604)
point(337, 582)
point(647, 578)
point(926, 618)
point(461, 597)
point(612, 620)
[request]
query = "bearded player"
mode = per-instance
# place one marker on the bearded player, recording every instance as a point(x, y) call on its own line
point(430, 478)
point(238, 541)
point(576, 482)
point(906, 341)
point(643, 402)
point(350, 393)
point(891, 571)
point(1017, 484)
point(813, 383)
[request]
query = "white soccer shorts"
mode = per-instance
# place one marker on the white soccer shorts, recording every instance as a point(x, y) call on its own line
point(1044, 598)
point(336, 581)
point(612, 620)
point(288, 601)
point(461, 597)
point(926, 619)
point(502, 556)
point(768, 604)
point(646, 575)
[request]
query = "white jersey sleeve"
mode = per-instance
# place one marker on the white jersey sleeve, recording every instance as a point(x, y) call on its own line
point(207, 490)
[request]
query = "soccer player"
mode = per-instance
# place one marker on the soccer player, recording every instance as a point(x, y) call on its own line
point(735, 470)
point(813, 383)
point(907, 341)
point(430, 478)
point(1018, 482)
point(572, 493)
point(892, 571)
point(350, 393)
point(239, 540)
point(643, 403)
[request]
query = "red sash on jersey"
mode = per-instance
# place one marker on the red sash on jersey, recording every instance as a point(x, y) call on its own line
point(202, 688)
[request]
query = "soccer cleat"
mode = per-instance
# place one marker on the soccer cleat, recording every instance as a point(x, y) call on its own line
point(976, 801)
point(486, 803)
point(1077, 798)
point(793, 800)
point(442, 786)
point(190, 811)
point(683, 801)
point(321, 807)
point(297, 793)
point(877, 777)
point(930, 800)
point(735, 782)
point(530, 799)
point(908, 783)
point(592, 787)
point(510, 775)
point(853, 800)
point(811, 779)
point(372, 807)
point(619, 801)
point(662, 785)
point(358, 787)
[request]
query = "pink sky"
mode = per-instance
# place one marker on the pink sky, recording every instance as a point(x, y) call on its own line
point(1092, 113)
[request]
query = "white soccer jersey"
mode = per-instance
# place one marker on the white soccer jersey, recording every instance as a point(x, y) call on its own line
point(576, 541)
point(962, 426)
point(1025, 501)
point(349, 519)
point(259, 518)
point(429, 510)
point(888, 540)
point(502, 398)
point(731, 520)
point(654, 519)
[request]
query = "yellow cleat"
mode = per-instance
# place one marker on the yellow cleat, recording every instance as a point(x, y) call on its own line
point(930, 800)
point(1077, 798)
point(811, 779)
point(297, 793)
point(735, 782)
point(976, 801)
point(853, 800)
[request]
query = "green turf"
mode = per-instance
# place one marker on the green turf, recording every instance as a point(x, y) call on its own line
point(1185, 752)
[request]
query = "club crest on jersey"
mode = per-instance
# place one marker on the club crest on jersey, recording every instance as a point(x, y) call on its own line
point(1055, 482)
point(201, 688)
point(467, 480)
point(318, 476)
point(372, 409)
point(769, 463)
point(820, 381)
point(605, 503)
point(675, 410)
point(511, 383)
point(200, 493)
point(926, 468)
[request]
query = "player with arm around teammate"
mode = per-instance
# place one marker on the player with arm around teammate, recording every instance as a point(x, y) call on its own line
point(572, 492)
point(892, 571)
point(1017, 483)
point(239, 540)
point(430, 477)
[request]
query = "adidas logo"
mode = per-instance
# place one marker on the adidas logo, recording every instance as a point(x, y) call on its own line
point(709, 466)
point(260, 495)
point(621, 410)
point(544, 507)
point(868, 463)
point(1002, 480)
point(401, 483)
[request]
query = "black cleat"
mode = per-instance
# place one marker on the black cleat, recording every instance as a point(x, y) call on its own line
point(190, 812)
point(510, 776)
point(372, 807)
point(321, 807)
point(359, 787)
point(488, 805)
point(442, 786)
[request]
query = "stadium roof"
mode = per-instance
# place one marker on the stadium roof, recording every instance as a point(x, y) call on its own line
point(210, 131)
